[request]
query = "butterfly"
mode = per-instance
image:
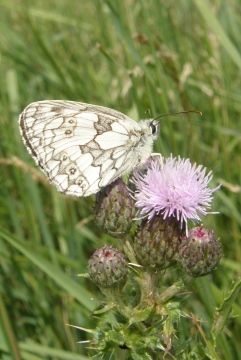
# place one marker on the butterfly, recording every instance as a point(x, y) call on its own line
point(83, 147)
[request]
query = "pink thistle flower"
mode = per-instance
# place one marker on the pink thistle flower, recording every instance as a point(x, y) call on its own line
point(173, 188)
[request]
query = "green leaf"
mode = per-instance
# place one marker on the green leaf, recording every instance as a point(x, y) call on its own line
point(140, 315)
point(211, 20)
point(223, 312)
point(64, 281)
point(135, 356)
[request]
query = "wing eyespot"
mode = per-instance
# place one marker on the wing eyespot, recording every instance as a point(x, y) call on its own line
point(68, 133)
point(72, 171)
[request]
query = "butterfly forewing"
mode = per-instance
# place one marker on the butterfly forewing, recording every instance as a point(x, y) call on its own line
point(83, 147)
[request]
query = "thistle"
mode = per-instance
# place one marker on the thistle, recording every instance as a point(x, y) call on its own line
point(108, 267)
point(168, 193)
point(199, 252)
point(156, 242)
point(173, 188)
point(114, 209)
point(165, 196)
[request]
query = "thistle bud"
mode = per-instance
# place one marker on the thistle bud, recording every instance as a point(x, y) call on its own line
point(199, 252)
point(156, 242)
point(115, 209)
point(108, 267)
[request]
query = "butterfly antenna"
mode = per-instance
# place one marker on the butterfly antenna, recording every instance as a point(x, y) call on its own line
point(181, 112)
point(148, 111)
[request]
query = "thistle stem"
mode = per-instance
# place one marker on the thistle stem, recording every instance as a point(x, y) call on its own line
point(174, 290)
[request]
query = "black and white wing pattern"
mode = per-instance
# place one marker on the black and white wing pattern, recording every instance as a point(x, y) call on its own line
point(82, 147)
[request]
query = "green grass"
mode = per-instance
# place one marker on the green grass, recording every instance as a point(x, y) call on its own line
point(166, 56)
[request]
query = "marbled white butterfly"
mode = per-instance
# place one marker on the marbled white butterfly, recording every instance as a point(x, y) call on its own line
point(82, 147)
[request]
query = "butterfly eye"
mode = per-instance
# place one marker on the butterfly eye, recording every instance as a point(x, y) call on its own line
point(153, 128)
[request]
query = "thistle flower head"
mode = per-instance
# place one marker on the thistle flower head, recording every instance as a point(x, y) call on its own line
point(173, 188)
point(156, 243)
point(108, 267)
point(115, 209)
point(199, 252)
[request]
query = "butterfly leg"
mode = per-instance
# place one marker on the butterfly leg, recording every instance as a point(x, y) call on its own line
point(158, 155)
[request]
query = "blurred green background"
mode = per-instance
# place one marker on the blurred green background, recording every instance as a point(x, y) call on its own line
point(166, 56)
